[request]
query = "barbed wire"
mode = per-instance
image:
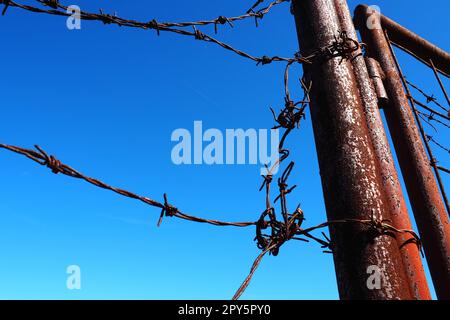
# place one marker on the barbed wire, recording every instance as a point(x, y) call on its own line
point(425, 137)
point(167, 210)
point(430, 138)
point(440, 145)
point(152, 24)
point(342, 46)
point(289, 227)
point(429, 98)
point(443, 169)
point(433, 116)
point(61, 10)
point(281, 232)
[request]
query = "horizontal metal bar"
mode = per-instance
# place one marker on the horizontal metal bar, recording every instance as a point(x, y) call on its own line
point(415, 45)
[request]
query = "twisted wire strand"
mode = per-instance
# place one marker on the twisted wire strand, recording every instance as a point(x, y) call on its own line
point(289, 118)
point(430, 98)
point(431, 117)
point(167, 210)
point(41, 157)
point(60, 10)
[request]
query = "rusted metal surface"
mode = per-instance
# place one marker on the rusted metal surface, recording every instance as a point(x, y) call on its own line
point(425, 138)
point(377, 76)
point(415, 45)
point(426, 201)
point(365, 69)
point(351, 178)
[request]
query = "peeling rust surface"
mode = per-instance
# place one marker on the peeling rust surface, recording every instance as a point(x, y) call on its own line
point(398, 213)
point(426, 201)
point(351, 178)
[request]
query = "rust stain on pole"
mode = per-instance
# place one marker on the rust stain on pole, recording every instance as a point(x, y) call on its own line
point(350, 174)
point(412, 43)
point(427, 204)
point(398, 211)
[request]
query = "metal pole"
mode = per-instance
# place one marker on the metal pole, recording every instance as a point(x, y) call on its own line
point(398, 211)
point(431, 157)
point(426, 201)
point(415, 45)
point(351, 178)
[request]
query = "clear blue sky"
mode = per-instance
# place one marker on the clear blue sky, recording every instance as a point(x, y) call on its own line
point(105, 100)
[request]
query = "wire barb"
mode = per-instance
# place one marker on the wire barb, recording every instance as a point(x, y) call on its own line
point(271, 233)
point(56, 166)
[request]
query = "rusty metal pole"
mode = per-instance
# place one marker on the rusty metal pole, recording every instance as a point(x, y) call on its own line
point(415, 45)
point(398, 210)
point(350, 174)
point(426, 201)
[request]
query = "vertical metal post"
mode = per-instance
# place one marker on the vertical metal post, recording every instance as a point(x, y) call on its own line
point(431, 157)
point(398, 211)
point(428, 207)
point(350, 173)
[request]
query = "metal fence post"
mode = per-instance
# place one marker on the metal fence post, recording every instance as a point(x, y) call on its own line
point(429, 210)
point(350, 173)
point(396, 202)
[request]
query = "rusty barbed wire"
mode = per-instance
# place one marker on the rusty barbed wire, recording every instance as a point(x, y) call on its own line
point(167, 210)
point(433, 161)
point(429, 138)
point(429, 109)
point(342, 46)
point(61, 10)
point(254, 6)
point(440, 145)
point(443, 169)
point(290, 227)
point(431, 117)
point(281, 231)
point(429, 98)
point(379, 227)
point(289, 118)
point(152, 24)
